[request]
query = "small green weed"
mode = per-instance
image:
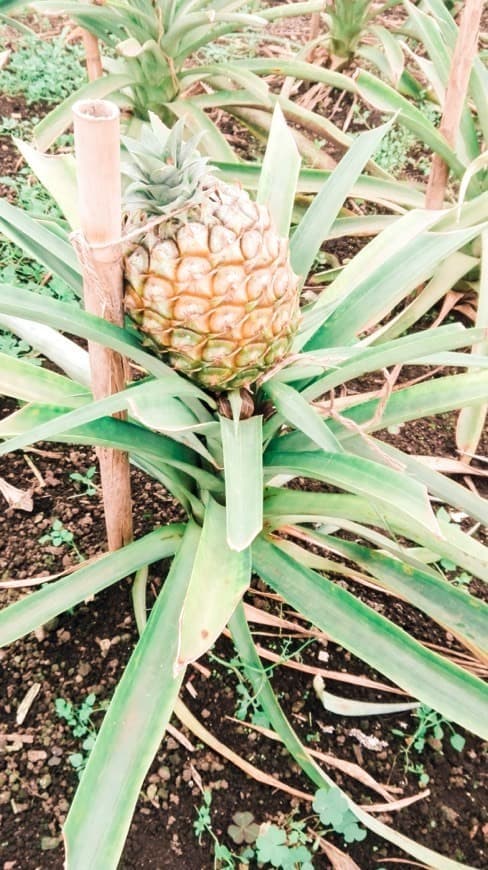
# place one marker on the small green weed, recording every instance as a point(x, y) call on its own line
point(431, 731)
point(289, 845)
point(44, 70)
point(461, 579)
point(247, 704)
point(284, 848)
point(334, 813)
point(20, 127)
point(79, 720)
point(86, 480)
point(59, 536)
point(224, 859)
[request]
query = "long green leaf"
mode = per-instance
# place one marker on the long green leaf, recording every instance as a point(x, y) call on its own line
point(57, 173)
point(312, 180)
point(455, 693)
point(421, 400)
point(358, 361)
point(316, 223)
point(54, 124)
point(439, 484)
point(455, 609)
point(430, 34)
point(41, 244)
point(375, 296)
point(386, 99)
point(279, 173)
point(284, 507)
point(243, 470)
point(364, 478)
point(124, 400)
point(69, 318)
point(114, 434)
point(34, 610)
point(471, 421)
point(21, 380)
point(132, 730)
point(219, 579)
point(294, 408)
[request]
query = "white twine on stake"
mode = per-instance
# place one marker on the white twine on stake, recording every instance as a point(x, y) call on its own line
point(84, 249)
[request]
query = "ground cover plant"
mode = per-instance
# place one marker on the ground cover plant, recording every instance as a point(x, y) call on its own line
point(371, 508)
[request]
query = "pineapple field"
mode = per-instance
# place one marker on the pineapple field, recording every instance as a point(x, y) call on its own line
point(243, 434)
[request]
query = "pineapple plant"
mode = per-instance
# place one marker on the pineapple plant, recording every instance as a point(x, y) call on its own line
point(209, 281)
point(230, 475)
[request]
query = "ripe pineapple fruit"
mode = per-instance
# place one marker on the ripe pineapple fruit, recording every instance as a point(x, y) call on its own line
point(211, 286)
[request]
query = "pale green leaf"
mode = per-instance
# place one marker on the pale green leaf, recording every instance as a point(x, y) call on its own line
point(219, 579)
point(279, 173)
point(131, 733)
point(243, 470)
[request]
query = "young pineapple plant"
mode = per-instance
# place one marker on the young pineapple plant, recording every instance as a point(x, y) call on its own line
point(229, 471)
point(210, 282)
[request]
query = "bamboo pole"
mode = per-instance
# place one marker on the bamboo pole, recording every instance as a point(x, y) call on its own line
point(97, 149)
point(457, 88)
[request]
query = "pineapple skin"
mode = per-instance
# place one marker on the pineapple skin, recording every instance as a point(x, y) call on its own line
point(212, 288)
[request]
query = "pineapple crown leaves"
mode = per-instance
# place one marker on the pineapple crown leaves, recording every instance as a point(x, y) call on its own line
point(163, 171)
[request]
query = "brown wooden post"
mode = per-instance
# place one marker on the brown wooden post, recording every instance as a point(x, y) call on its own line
point(92, 55)
point(314, 25)
point(97, 148)
point(457, 88)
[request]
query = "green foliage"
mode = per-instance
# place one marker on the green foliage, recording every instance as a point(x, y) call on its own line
point(347, 20)
point(431, 731)
point(86, 479)
point(79, 720)
point(15, 266)
point(284, 847)
point(333, 811)
point(247, 704)
point(384, 497)
point(273, 847)
point(13, 346)
point(398, 151)
point(244, 829)
point(44, 70)
point(224, 859)
point(458, 578)
point(59, 536)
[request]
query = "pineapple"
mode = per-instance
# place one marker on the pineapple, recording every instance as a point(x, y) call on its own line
point(211, 284)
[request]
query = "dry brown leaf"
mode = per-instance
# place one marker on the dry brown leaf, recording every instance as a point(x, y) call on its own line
point(194, 725)
point(451, 466)
point(339, 860)
point(4, 58)
point(17, 499)
point(348, 767)
point(27, 702)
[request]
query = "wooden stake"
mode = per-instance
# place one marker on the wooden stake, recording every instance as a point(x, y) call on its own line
point(97, 148)
point(314, 25)
point(92, 55)
point(457, 88)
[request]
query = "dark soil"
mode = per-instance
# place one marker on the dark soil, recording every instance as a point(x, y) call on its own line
point(85, 652)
